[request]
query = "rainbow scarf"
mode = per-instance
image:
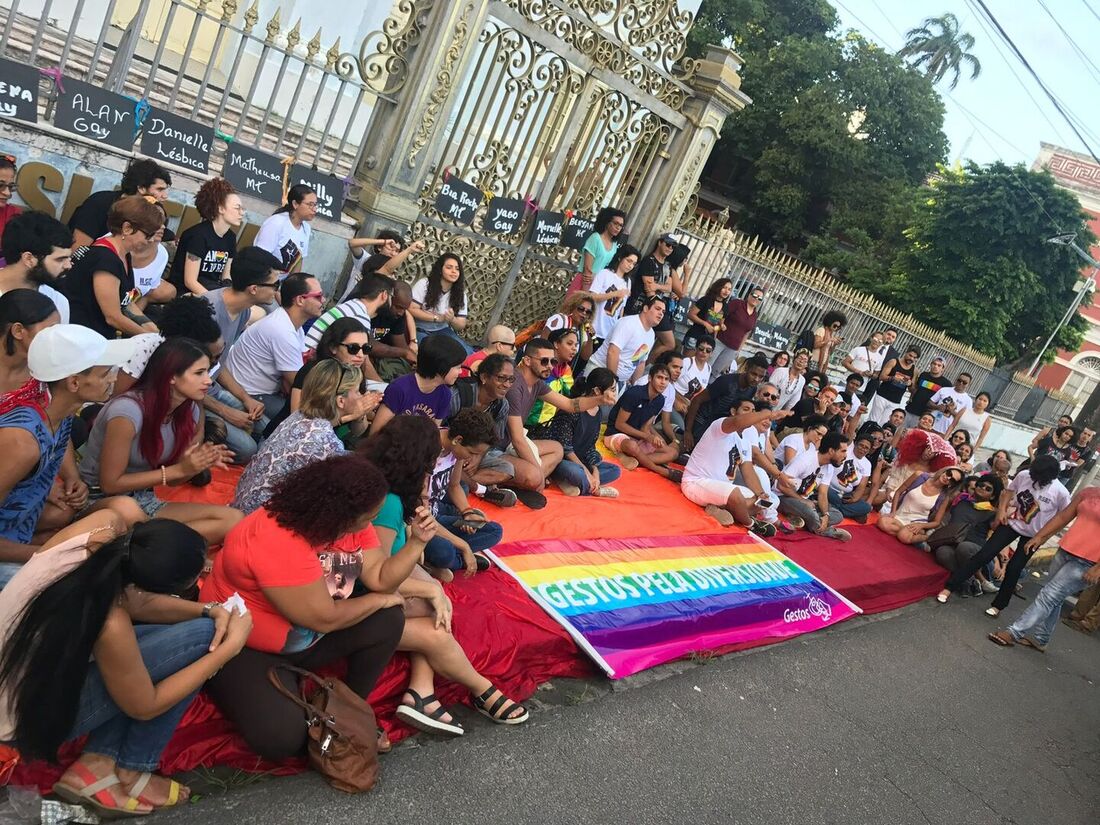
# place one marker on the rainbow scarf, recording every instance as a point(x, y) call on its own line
point(632, 604)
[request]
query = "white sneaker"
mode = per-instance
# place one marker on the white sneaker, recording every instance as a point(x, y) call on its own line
point(607, 492)
point(989, 587)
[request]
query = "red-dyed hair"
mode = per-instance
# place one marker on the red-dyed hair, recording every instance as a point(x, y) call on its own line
point(153, 392)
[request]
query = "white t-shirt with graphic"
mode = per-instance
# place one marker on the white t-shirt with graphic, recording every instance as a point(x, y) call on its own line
point(716, 455)
point(790, 389)
point(611, 310)
point(851, 473)
point(693, 378)
point(807, 473)
point(1034, 507)
point(634, 342)
point(288, 243)
point(962, 400)
point(796, 442)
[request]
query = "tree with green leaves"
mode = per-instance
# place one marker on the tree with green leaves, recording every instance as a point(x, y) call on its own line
point(941, 48)
point(978, 265)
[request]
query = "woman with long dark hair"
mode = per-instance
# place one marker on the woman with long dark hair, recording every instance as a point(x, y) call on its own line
point(23, 314)
point(286, 234)
point(583, 471)
point(610, 290)
point(406, 452)
point(153, 435)
point(707, 315)
point(96, 644)
point(1029, 502)
point(599, 247)
point(205, 252)
point(441, 302)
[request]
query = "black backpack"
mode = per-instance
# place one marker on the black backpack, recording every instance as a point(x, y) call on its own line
point(805, 341)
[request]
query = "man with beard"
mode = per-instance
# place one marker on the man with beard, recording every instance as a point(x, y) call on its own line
point(803, 487)
point(37, 249)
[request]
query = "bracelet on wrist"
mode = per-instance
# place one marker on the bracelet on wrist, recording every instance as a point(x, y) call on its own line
point(163, 475)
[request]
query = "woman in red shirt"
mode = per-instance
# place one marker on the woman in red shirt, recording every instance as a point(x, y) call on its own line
point(740, 320)
point(8, 187)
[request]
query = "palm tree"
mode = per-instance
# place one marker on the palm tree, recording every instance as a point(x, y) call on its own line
point(940, 47)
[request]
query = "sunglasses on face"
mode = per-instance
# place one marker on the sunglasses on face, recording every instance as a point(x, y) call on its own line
point(548, 362)
point(320, 296)
point(705, 350)
point(767, 396)
point(757, 297)
point(355, 349)
point(511, 344)
point(584, 310)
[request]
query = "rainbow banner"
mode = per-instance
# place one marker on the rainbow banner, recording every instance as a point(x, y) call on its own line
point(635, 603)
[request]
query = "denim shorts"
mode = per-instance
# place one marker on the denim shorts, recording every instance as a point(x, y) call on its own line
point(146, 500)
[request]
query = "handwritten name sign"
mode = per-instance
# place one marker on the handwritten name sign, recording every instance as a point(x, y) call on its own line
point(18, 91)
point(177, 140)
point(547, 228)
point(96, 114)
point(329, 189)
point(458, 200)
point(504, 216)
point(577, 231)
point(771, 336)
point(253, 172)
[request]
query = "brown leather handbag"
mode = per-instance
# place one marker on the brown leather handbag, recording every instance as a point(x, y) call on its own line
point(343, 734)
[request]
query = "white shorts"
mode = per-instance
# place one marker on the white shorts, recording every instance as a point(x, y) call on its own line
point(531, 446)
point(706, 491)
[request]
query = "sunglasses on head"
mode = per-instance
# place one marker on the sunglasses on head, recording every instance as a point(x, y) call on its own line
point(355, 349)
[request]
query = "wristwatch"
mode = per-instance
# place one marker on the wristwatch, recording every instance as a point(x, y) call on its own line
point(206, 608)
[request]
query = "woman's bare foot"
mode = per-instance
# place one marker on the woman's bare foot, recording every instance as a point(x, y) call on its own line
point(441, 573)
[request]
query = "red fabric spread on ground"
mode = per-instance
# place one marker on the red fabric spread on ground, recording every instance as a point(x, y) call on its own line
point(511, 640)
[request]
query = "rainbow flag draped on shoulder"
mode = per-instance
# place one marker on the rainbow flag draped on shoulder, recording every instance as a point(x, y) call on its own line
point(632, 604)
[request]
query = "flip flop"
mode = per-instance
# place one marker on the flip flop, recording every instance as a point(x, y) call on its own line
point(94, 795)
point(531, 499)
point(417, 715)
point(143, 782)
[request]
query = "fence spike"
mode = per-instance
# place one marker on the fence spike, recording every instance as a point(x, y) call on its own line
point(332, 55)
point(294, 36)
point(313, 46)
point(229, 9)
point(251, 16)
point(274, 25)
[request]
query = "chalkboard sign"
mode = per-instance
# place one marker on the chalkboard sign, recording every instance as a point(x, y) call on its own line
point(577, 231)
point(96, 114)
point(175, 139)
point(253, 172)
point(771, 336)
point(547, 228)
point(329, 189)
point(458, 200)
point(18, 91)
point(504, 216)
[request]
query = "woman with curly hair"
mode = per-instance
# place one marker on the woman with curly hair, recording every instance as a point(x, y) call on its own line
point(577, 312)
point(295, 562)
point(307, 435)
point(827, 337)
point(440, 301)
point(406, 452)
point(206, 250)
point(154, 435)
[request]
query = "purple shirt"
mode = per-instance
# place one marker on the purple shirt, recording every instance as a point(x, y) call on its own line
point(403, 397)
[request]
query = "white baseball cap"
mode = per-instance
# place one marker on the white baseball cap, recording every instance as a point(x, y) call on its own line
point(67, 349)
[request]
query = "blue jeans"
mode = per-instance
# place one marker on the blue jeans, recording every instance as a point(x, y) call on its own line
point(240, 441)
point(8, 569)
point(133, 744)
point(573, 473)
point(440, 552)
point(273, 405)
point(1067, 578)
point(421, 334)
point(848, 509)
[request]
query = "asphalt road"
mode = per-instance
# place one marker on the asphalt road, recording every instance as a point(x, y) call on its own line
point(909, 717)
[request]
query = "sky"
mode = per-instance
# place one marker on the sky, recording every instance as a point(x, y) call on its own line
point(993, 117)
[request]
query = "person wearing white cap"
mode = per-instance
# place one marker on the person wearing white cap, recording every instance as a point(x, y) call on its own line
point(153, 435)
point(40, 488)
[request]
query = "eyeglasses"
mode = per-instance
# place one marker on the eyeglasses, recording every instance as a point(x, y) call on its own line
point(319, 295)
point(309, 204)
point(511, 344)
point(504, 379)
point(767, 396)
point(704, 350)
point(584, 310)
point(11, 187)
point(355, 349)
point(547, 362)
point(835, 326)
point(272, 285)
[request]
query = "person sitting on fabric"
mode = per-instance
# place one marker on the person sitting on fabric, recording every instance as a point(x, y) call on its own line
point(791, 380)
point(694, 376)
point(919, 505)
point(393, 351)
point(850, 490)
point(267, 357)
point(307, 435)
point(295, 562)
point(971, 516)
point(560, 380)
point(370, 297)
point(630, 433)
point(346, 341)
point(426, 392)
point(796, 442)
point(625, 350)
point(583, 471)
point(95, 644)
point(23, 314)
point(998, 464)
point(37, 253)
point(41, 490)
point(917, 451)
point(1028, 504)
point(803, 487)
point(153, 435)
point(501, 340)
point(708, 478)
point(672, 423)
point(716, 400)
point(406, 452)
point(757, 470)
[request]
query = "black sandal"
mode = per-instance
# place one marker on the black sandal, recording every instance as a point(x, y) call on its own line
point(418, 717)
point(501, 708)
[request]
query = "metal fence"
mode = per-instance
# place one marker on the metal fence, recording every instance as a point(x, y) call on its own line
point(206, 61)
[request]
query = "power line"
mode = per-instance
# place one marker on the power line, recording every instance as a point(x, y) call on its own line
point(1090, 8)
point(1035, 75)
point(857, 18)
point(1093, 69)
point(889, 20)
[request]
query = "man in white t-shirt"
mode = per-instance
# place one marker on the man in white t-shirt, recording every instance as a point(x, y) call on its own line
point(626, 349)
point(714, 464)
point(803, 487)
point(37, 250)
point(265, 359)
point(949, 402)
point(850, 490)
point(694, 376)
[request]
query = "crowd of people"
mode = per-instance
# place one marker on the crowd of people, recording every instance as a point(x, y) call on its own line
point(369, 428)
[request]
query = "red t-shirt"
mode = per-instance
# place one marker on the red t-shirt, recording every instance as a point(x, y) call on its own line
point(1080, 539)
point(7, 212)
point(259, 553)
point(472, 360)
point(739, 323)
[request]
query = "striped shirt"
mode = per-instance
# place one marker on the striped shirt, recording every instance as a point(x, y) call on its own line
point(348, 309)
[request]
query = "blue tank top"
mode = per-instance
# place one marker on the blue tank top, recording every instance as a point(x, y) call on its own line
point(20, 511)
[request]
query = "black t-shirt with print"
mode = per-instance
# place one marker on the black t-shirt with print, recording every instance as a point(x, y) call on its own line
point(387, 327)
point(893, 391)
point(78, 287)
point(648, 267)
point(214, 254)
point(91, 216)
point(922, 391)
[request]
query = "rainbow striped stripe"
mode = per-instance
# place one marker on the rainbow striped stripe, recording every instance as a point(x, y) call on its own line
point(635, 603)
